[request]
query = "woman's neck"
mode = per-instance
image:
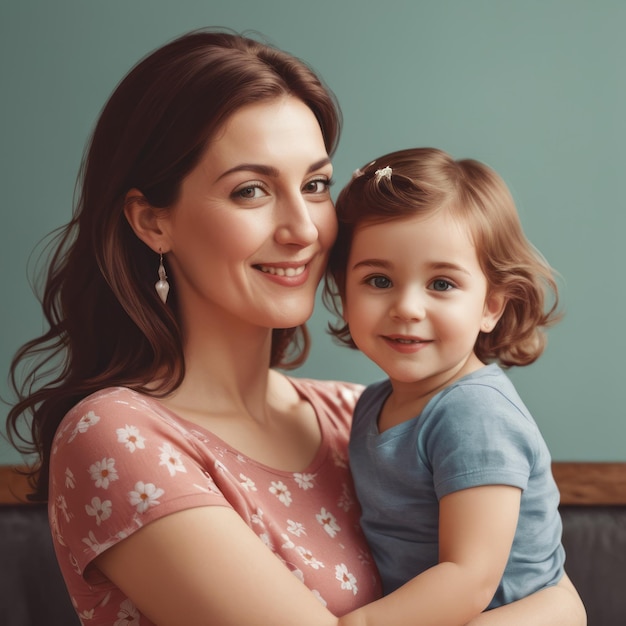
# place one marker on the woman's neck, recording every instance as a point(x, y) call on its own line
point(226, 368)
point(230, 391)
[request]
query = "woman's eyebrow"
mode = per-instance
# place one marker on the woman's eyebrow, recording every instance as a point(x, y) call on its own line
point(265, 170)
point(268, 170)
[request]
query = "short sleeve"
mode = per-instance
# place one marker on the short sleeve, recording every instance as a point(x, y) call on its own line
point(118, 464)
point(475, 435)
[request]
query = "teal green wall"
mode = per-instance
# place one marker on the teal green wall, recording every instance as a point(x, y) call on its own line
point(537, 89)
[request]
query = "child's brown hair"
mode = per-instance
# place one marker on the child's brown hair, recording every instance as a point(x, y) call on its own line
point(425, 180)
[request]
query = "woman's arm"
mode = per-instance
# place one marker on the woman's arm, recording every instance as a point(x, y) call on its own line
point(205, 565)
point(559, 605)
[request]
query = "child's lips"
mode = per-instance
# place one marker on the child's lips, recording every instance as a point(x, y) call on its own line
point(405, 343)
point(406, 339)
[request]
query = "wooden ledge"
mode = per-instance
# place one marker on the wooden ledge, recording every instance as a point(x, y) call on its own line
point(579, 483)
point(14, 485)
point(591, 483)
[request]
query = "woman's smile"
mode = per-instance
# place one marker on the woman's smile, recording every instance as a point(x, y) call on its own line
point(256, 210)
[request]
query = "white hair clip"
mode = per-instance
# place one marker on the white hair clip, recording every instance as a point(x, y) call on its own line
point(385, 172)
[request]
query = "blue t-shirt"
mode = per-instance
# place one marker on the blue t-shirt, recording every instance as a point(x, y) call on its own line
point(475, 432)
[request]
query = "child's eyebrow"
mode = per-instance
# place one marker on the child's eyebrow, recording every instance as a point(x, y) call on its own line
point(373, 263)
point(444, 265)
point(386, 265)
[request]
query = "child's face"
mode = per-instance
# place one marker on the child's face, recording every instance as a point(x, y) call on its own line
point(416, 299)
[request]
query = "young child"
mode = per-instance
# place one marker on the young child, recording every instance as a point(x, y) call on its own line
point(437, 284)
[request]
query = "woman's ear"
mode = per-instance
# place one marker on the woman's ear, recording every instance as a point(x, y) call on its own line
point(146, 221)
point(494, 308)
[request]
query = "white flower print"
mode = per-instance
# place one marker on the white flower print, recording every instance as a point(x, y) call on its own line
point(133, 525)
point(103, 472)
point(328, 522)
point(304, 481)
point(61, 505)
point(54, 523)
point(279, 489)
point(70, 481)
point(210, 486)
point(295, 528)
point(100, 510)
point(145, 496)
point(87, 421)
point(257, 517)
point(298, 573)
point(86, 615)
point(97, 547)
point(317, 594)
point(84, 424)
point(308, 558)
point(130, 437)
point(346, 501)
point(348, 581)
point(339, 459)
point(74, 564)
point(365, 557)
point(91, 541)
point(128, 614)
point(247, 483)
point(170, 457)
point(287, 543)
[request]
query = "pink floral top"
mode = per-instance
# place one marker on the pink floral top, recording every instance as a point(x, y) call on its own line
point(121, 460)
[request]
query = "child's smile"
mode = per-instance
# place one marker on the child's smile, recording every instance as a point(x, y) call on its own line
point(416, 299)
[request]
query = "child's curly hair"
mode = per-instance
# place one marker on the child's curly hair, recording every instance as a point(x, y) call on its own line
point(425, 180)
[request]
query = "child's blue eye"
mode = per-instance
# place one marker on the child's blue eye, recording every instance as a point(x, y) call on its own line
point(441, 285)
point(380, 282)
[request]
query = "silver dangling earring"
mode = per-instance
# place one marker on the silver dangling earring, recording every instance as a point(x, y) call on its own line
point(162, 286)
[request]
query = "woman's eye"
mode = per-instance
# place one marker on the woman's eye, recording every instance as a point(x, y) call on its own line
point(441, 285)
point(318, 185)
point(250, 192)
point(380, 282)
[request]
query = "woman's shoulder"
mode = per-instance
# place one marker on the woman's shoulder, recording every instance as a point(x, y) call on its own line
point(113, 395)
point(116, 406)
point(112, 400)
point(333, 392)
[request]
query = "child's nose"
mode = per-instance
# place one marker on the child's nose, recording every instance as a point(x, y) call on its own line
point(409, 305)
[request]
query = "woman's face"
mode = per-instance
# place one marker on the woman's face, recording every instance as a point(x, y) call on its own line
point(250, 233)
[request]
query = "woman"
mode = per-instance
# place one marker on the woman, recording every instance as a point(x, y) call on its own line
point(208, 174)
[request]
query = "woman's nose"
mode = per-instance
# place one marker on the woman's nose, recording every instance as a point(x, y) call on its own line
point(295, 222)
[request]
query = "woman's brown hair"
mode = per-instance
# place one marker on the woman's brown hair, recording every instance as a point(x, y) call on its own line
point(424, 180)
point(107, 326)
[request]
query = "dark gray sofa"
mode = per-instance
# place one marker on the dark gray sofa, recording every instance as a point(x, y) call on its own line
point(32, 592)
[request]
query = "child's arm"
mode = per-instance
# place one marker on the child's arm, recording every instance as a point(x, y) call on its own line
point(559, 605)
point(476, 530)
